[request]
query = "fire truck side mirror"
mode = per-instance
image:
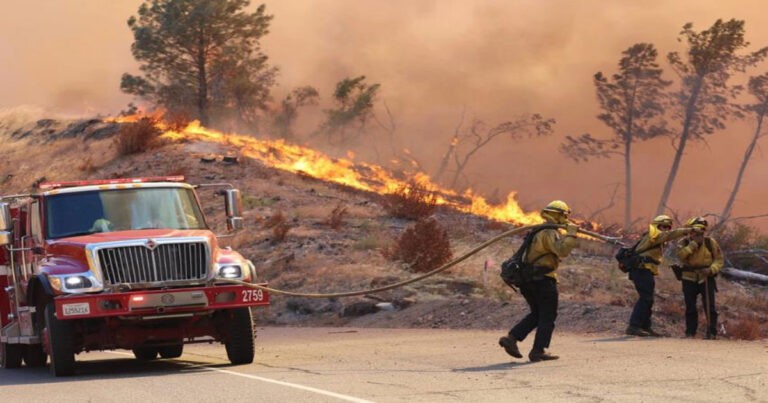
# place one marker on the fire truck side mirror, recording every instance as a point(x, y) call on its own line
point(5, 224)
point(5, 217)
point(234, 207)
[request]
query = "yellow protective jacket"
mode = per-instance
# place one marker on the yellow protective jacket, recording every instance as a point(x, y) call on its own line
point(548, 247)
point(653, 245)
point(694, 256)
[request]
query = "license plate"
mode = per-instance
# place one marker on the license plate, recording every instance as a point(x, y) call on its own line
point(82, 308)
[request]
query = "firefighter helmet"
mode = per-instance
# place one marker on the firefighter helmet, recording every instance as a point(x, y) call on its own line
point(662, 221)
point(558, 206)
point(697, 222)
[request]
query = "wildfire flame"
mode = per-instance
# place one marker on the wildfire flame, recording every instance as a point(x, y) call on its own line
point(357, 175)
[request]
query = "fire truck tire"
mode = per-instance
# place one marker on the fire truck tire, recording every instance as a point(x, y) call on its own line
point(60, 344)
point(173, 351)
point(240, 346)
point(10, 355)
point(34, 355)
point(145, 353)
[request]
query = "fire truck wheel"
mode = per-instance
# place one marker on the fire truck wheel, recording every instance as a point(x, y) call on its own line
point(34, 356)
point(145, 353)
point(171, 351)
point(10, 355)
point(240, 348)
point(61, 351)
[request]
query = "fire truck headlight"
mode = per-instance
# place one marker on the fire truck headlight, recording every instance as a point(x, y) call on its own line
point(77, 282)
point(230, 272)
point(74, 283)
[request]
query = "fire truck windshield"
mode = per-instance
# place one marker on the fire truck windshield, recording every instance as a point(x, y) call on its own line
point(83, 213)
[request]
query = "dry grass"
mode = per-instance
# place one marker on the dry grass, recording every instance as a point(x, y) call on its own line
point(411, 201)
point(137, 137)
point(746, 327)
point(671, 307)
point(423, 247)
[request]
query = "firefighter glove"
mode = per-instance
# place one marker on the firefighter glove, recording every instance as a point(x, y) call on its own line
point(571, 229)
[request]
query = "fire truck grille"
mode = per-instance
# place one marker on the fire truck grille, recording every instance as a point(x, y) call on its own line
point(166, 262)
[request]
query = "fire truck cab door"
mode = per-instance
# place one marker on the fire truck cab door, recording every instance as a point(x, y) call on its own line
point(29, 240)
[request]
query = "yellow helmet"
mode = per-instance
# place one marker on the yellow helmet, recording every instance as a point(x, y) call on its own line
point(662, 220)
point(558, 206)
point(697, 222)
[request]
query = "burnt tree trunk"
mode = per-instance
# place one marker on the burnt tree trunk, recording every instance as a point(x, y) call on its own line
point(690, 110)
point(747, 156)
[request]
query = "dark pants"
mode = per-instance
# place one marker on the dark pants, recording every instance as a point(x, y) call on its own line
point(541, 296)
point(644, 284)
point(691, 292)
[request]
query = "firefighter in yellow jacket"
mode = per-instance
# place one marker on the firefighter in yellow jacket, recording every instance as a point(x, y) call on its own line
point(701, 260)
point(545, 252)
point(650, 248)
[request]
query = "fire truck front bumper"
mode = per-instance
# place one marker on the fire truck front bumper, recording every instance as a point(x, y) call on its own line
point(159, 302)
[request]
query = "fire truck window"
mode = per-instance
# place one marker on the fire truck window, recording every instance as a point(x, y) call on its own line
point(73, 214)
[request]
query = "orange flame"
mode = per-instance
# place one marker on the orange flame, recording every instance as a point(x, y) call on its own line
point(357, 175)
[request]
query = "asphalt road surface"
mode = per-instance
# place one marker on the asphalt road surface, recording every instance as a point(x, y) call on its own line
point(412, 365)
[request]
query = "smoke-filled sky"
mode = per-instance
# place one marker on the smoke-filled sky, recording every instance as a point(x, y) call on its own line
point(433, 59)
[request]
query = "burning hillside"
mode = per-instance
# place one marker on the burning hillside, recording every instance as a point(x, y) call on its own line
point(345, 171)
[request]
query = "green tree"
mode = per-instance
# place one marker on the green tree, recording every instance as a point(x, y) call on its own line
point(285, 116)
point(705, 98)
point(758, 87)
point(633, 103)
point(354, 107)
point(199, 56)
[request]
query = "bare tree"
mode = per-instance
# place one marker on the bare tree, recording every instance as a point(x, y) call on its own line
point(451, 151)
point(633, 102)
point(758, 86)
point(479, 135)
point(705, 99)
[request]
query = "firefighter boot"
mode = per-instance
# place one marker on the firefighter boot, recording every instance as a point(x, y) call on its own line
point(510, 346)
point(654, 333)
point(540, 355)
point(636, 331)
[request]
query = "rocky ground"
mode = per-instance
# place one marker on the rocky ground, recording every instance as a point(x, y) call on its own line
point(313, 256)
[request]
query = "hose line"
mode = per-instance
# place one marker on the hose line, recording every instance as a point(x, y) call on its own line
point(442, 268)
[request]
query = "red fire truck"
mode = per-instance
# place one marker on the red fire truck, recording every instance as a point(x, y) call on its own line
point(119, 264)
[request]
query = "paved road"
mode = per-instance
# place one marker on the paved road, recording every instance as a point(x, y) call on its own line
point(406, 365)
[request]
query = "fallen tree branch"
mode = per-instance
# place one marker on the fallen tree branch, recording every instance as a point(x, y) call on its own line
point(745, 275)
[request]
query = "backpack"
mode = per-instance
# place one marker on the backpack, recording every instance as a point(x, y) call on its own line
point(515, 271)
point(629, 258)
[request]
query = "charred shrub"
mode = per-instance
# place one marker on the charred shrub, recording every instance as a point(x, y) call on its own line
point(336, 219)
point(740, 237)
point(412, 201)
point(423, 247)
point(137, 137)
point(279, 225)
